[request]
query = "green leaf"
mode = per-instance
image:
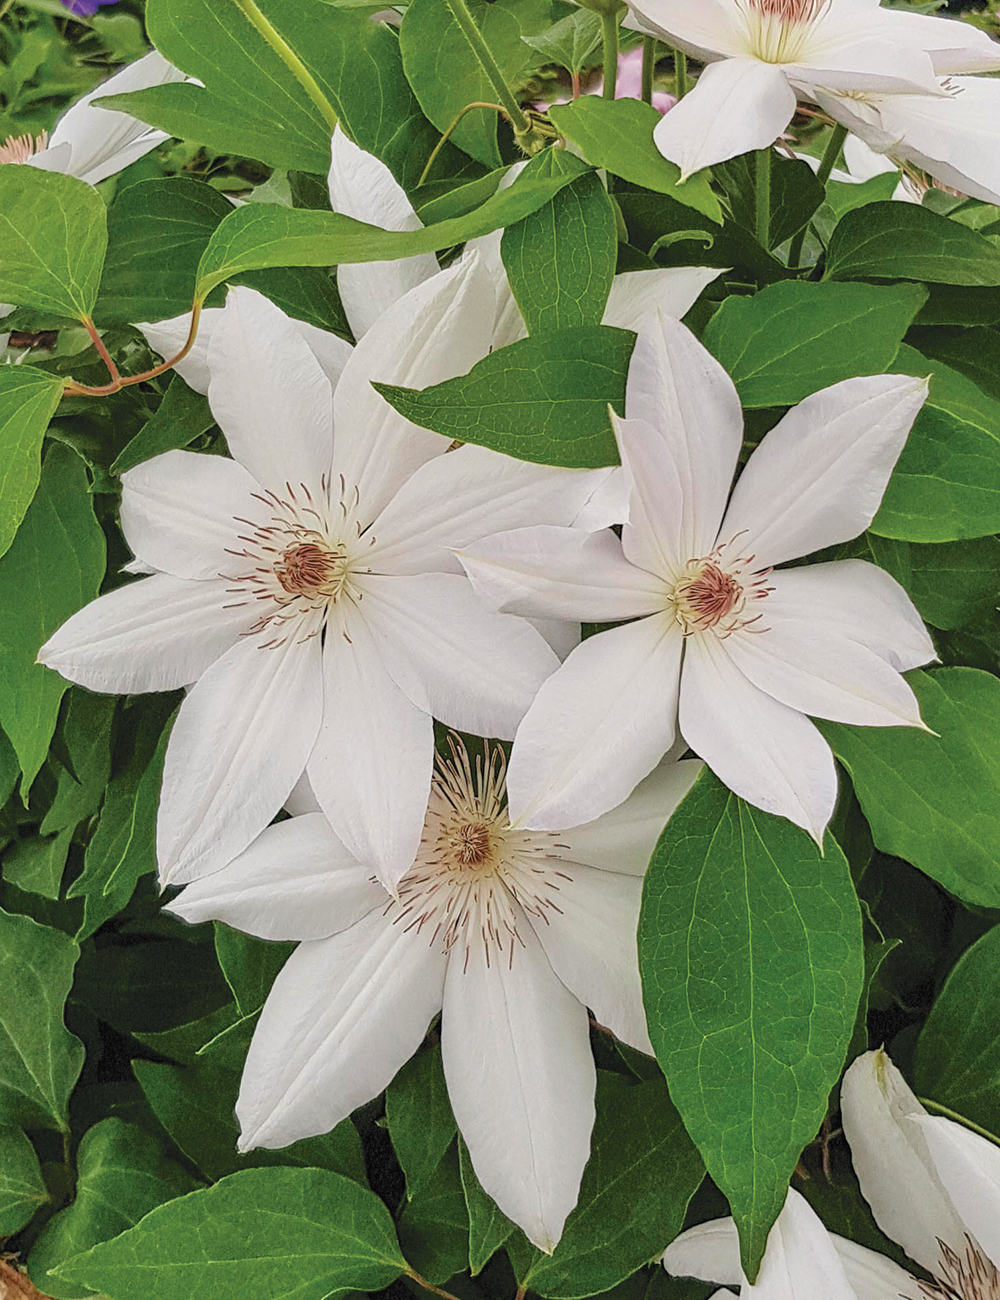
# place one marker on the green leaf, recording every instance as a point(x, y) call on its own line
point(58, 551)
point(489, 1228)
point(122, 1174)
point(844, 196)
point(901, 241)
point(751, 955)
point(571, 41)
point(182, 416)
point(561, 260)
point(37, 863)
point(875, 954)
point(946, 484)
point(123, 847)
point(85, 740)
point(950, 583)
point(419, 1117)
point(543, 399)
point(53, 237)
point(154, 984)
point(934, 800)
point(618, 135)
point(196, 1104)
point(264, 235)
point(446, 75)
point(283, 1233)
point(434, 1224)
point(250, 965)
point(796, 194)
point(643, 1171)
point(792, 339)
point(28, 401)
point(157, 232)
point(958, 1052)
point(254, 106)
point(974, 353)
point(22, 1187)
point(39, 1058)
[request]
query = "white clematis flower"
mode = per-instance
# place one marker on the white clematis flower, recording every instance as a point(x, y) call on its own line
point(745, 653)
point(95, 143)
point(933, 1187)
point(955, 138)
point(512, 934)
point(307, 587)
point(764, 55)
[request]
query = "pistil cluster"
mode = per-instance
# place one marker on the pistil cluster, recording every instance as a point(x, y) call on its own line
point(475, 876)
point(713, 593)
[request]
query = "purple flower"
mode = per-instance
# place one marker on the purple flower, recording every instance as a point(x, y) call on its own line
point(86, 8)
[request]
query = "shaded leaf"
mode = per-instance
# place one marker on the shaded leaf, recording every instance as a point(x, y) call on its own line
point(903, 241)
point(28, 401)
point(22, 1187)
point(419, 1116)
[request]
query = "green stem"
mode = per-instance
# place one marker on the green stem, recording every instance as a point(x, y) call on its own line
point(470, 30)
point(290, 59)
point(763, 223)
point(609, 24)
point(959, 1119)
point(681, 83)
point(648, 67)
point(447, 135)
point(829, 160)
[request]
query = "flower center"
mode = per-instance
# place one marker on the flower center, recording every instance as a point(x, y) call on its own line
point(712, 593)
point(475, 877)
point(23, 147)
point(303, 556)
point(777, 30)
point(963, 1277)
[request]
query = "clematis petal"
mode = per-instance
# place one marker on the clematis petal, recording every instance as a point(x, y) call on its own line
point(624, 838)
point(455, 500)
point(547, 572)
point(800, 1261)
point(678, 389)
point(240, 742)
point(598, 726)
point(362, 187)
point(857, 600)
point(872, 1276)
point(768, 754)
point(953, 47)
point(875, 67)
point(709, 1251)
point(806, 663)
point(438, 330)
point(371, 768)
point(157, 634)
point(521, 1079)
point(589, 938)
point(955, 138)
point(167, 337)
point(738, 105)
point(710, 28)
point(269, 394)
point(819, 476)
point(180, 512)
point(452, 657)
point(672, 289)
point(104, 141)
point(969, 1169)
point(893, 1163)
point(297, 880)
point(343, 1016)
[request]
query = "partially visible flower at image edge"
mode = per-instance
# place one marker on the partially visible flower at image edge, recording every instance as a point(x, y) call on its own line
point(86, 8)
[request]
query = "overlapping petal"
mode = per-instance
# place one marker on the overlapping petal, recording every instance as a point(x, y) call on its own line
point(597, 726)
point(297, 880)
point(240, 743)
point(343, 1016)
point(819, 476)
point(521, 1080)
point(157, 634)
point(672, 289)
